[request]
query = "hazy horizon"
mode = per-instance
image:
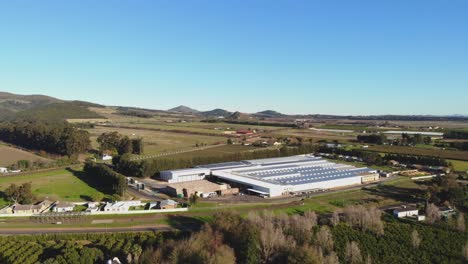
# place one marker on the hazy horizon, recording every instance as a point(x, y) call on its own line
point(301, 57)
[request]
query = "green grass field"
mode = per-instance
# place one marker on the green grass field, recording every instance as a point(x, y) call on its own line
point(53, 185)
point(459, 165)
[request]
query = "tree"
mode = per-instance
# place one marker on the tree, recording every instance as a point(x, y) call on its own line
point(109, 141)
point(229, 141)
point(432, 213)
point(125, 145)
point(461, 222)
point(324, 239)
point(465, 251)
point(353, 253)
point(335, 218)
point(20, 194)
point(194, 199)
point(415, 239)
point(332, 258)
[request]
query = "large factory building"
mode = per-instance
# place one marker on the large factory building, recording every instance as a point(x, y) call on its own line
point(279, 176)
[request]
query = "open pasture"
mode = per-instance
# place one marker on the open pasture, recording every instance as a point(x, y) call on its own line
point(156, 142)
point(10, 155)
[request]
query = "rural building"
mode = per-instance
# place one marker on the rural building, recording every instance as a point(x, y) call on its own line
point(370, 177)
point(281, 176)
point(184, 175)
point(406, 211)
point(61, 207)
point(168, 204)
point(93, 207)
point(187, 189)
point(3, 170)
point(121, 206)
point(31, 208)
point(106, 157)
point(245, 132)
point(7, 210)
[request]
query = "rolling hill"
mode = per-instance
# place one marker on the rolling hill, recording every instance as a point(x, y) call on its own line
point(183, 109)
point(216, 112)
point(43, 107)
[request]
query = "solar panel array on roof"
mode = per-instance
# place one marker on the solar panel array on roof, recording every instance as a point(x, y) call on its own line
point(296, 173)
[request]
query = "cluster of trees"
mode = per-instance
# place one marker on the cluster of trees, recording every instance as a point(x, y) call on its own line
point(356, 236)
point(372, 139)
point(449, 190)
point(374, 158)
point(456, 134)
point(407, 139)
point(151, 167)
point(115, 143)
point(19, 194)
point(58, 138)
point(422, 160)
point(68, 248)
point(104, 178)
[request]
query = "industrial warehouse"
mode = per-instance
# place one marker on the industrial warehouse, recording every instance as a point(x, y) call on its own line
point(278, 176)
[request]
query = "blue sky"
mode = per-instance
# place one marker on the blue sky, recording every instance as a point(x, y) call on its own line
point(330, 57)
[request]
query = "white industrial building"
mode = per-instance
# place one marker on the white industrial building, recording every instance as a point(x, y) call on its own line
point(185, 175)
point(278, 176)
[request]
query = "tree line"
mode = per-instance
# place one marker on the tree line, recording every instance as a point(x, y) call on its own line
point(456, 134)
point(55, 137)
point(152, 167)
point(105, 178)
point(374, 158)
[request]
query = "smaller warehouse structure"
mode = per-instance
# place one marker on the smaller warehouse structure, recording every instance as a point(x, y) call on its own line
point(187, 189)
point(185, 175)
point(61, 207)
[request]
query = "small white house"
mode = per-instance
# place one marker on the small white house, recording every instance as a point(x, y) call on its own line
point(3, 170)
point(93, 207)
point(61, 207)
point(106, 157)
point(406, 211)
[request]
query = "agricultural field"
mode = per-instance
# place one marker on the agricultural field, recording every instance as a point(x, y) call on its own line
point(444, 154)
point(315, 135)
point(459, 165)
point(156, 142)
point(53, 185)
point(10, 155)
point(212, 152)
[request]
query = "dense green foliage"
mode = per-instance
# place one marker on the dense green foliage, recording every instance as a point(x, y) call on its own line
point(21, 194)
point(104, 178)
point(76, 248)
point(373, 138)
point(456, 134)
point(56, 137)
point(116, 143)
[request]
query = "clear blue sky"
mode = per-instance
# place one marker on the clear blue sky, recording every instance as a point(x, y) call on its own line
point(330, 57)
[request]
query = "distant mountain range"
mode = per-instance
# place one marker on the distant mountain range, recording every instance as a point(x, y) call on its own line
point(46, 107)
